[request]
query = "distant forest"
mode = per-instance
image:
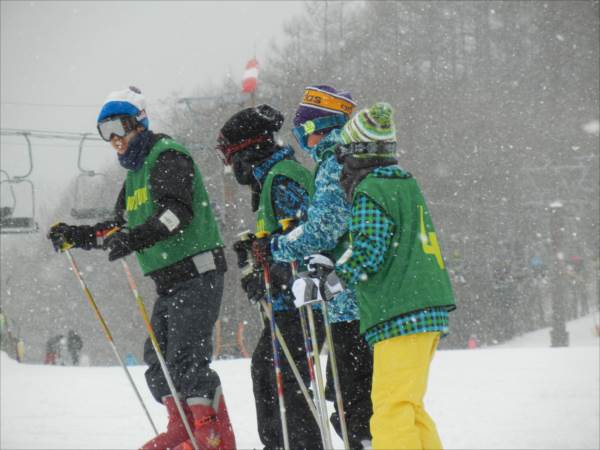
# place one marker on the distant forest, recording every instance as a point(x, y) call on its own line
point(497, 108)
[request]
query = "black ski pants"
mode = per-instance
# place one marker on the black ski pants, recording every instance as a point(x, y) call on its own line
point(302, 428)
point(355, 370)
point(183, 323)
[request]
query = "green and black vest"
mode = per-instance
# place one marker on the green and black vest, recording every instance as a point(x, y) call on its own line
point(265, 216)
point(201, 235)
point(413, 275)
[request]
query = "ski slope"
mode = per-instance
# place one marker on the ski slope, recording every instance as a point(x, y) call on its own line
point(519, 395)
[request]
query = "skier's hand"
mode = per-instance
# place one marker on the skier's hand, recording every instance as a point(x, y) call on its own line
point(306, 290)
point(319, 264)
point(322, 268)
point(261, 250)
point(65, 236)
point(253, 286)
point(242, 248)
point(119, 244)
point(331, 286)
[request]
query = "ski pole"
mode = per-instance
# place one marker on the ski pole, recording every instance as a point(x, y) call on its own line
point(65, 249)
point(336, 378)
point(322, 421)
point(161, 359)
point(275, 344)
point(246, 263)
point(293, 366)
point(319, 374)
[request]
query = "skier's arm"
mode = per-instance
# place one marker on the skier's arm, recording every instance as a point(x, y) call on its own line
point(289, 198)
point(371, 232)
point(327, 218)
point(172, 184)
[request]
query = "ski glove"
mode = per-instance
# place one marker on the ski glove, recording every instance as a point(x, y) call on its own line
point(319, 264)
point(119, 244)
point(320, 282)
point(242, 248)
point(253, 286)
point(306, 290)
point(64, 236)
point(281, 276)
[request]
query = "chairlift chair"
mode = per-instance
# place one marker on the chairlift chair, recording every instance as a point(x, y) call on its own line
point(9, 224)
point(81, 212)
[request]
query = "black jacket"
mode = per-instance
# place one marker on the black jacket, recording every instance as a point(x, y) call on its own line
point(172, 181)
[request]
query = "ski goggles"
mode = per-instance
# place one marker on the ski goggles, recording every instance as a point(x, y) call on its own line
point(225, 149)
point(366, 150)
point(119, 126)
point(302, 132)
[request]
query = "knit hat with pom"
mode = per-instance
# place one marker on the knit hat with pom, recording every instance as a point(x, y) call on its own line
point(374, 124)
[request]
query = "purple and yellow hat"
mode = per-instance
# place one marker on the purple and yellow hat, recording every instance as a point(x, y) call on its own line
point(321, 101)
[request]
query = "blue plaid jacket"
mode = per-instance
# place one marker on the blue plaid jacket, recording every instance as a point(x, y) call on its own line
point(372, 230)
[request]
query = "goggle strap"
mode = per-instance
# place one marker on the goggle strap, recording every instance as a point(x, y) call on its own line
point(368, 148)
point(230, 150)
point(321, 123)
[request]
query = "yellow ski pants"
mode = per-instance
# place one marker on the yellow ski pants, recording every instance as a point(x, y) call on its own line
point(400, 374)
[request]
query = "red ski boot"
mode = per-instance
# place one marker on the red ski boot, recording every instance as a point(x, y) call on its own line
point(223, 422)
point(176, 433)
point(212, 427)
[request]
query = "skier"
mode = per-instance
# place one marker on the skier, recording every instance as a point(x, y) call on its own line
point(56, 348)
point(74, 345)
point(395, 267)
point(280, 189)
point(163, 215)
point(318, 120)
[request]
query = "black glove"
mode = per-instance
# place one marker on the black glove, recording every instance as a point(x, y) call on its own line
point(254, 286)
point(119, 244)
point(242, 248)
point(63, 235)
point(261, 250)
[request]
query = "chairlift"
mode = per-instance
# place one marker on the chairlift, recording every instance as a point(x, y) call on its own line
point(78, 211)
point(9, 224)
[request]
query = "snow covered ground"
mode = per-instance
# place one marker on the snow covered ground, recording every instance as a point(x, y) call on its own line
point(522, 394)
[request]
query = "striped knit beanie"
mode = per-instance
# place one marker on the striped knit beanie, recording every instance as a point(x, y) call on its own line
point(371, 124)
point(321, 101)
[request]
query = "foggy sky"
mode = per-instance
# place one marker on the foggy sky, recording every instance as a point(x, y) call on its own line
point(75, 53)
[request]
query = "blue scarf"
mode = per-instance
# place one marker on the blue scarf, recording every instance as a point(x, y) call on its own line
point(137, 150)
point(261, 171)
